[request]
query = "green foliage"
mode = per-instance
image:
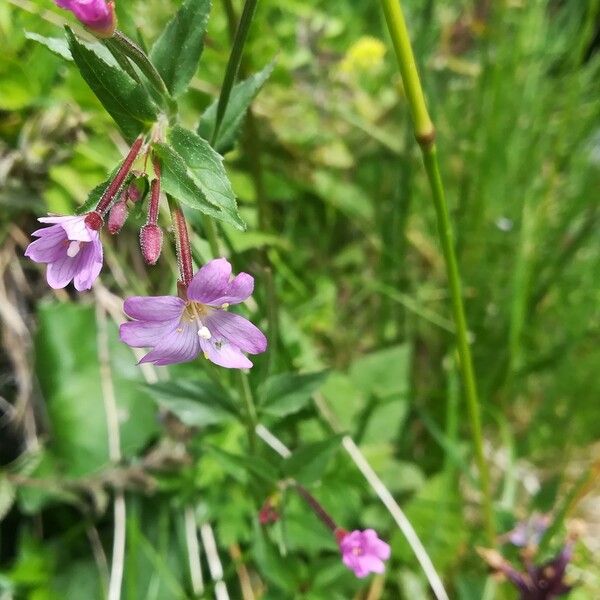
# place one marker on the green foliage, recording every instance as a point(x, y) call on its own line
point(127, 102)
point(349, 285)
point(240, 99)
point(177, 51)
point(75, 384)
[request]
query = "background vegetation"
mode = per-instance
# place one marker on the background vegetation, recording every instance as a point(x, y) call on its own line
point(351, 287)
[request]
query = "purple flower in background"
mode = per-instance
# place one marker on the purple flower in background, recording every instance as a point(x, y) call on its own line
point(529, 532)
point(96, 15)
point(363, 552)
point(179, 329)
point(72, 249)
point(535, 582)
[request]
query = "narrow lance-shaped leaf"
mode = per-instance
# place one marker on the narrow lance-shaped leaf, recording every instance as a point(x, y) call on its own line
point(176, 52)
point(127, 102)
point(240, 99)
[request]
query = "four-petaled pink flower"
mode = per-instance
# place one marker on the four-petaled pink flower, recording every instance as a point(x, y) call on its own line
point(363, 552)
point(96, 15)
point(179, 329)
point(72, 249)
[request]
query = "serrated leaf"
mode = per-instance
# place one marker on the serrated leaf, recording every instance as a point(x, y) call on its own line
point(178, 181)
point(240, 99)
point(308, 463)
point(127, 102)
point(193, 172)
point(177, 51)
point(195, 403)
point(288, 393)
point(57, 46)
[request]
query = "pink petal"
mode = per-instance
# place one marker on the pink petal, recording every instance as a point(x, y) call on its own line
point(154, 308)
point(49, 246)
point(211, 282)
point(224, 354)
point(238, 290)
point(181, 345)
point(60, 272)
point(371, 564)
point(140, 334)
point(89, 265)
point(75, 227)
point(237, 330)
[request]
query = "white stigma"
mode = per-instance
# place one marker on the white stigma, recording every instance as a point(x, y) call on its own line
point(73, 249)
point(204, 333)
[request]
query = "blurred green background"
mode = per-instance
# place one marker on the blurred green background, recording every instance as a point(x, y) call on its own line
point(345, 254)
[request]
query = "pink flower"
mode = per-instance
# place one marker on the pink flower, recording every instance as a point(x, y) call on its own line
point(71, 248)
point(363, 552)
point(179, 329)
point(96, 15)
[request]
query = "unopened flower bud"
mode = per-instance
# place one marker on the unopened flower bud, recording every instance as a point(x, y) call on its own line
point(117, 216)
point(268, 513)
point(137, 189)
point(151, 237)
point(97, 15)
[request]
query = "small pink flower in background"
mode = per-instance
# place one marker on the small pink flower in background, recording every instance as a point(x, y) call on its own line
point(72, 249)
point(178, 330)
point(96, 15)
point(362, 551)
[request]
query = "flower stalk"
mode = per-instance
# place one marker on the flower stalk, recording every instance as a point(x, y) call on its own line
point(425, 135)
point(119, 178)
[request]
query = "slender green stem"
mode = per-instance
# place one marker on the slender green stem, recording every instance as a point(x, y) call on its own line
point(233, 64)
point(251, 414)
point(425, 135)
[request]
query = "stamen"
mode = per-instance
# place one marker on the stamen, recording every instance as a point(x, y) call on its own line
point(225, 305)
point(204, 333)
point(73, 249)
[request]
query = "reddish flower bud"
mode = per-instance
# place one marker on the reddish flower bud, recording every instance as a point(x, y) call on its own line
point(97, 15)
point(117, 216)
point(94, 220)
point(151, 237)
point(268, 513)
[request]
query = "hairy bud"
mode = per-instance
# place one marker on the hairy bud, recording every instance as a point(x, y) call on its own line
point(151, 237)
point(117, 216)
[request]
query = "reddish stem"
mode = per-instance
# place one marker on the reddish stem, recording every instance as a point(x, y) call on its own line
point(119, 178)
point(182, 244)
point(316, 507)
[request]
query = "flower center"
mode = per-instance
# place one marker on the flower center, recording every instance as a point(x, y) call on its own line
point(357, 551)
point(196, 312)
point(74, 248)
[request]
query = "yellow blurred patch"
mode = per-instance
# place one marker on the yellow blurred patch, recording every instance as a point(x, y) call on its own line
point(364, 55)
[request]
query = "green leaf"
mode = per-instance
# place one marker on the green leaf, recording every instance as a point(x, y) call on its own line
point(127, 102)
point(195, 403)
point(308, 463)
point(240, 99)
point(176, 52)
point(56, 45)
point(383, 373)
point(68, 367)
point(288, 393)
point(238, 464)
point(193, 172)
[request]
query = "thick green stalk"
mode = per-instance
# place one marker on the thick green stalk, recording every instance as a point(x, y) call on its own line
point(425, 134)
